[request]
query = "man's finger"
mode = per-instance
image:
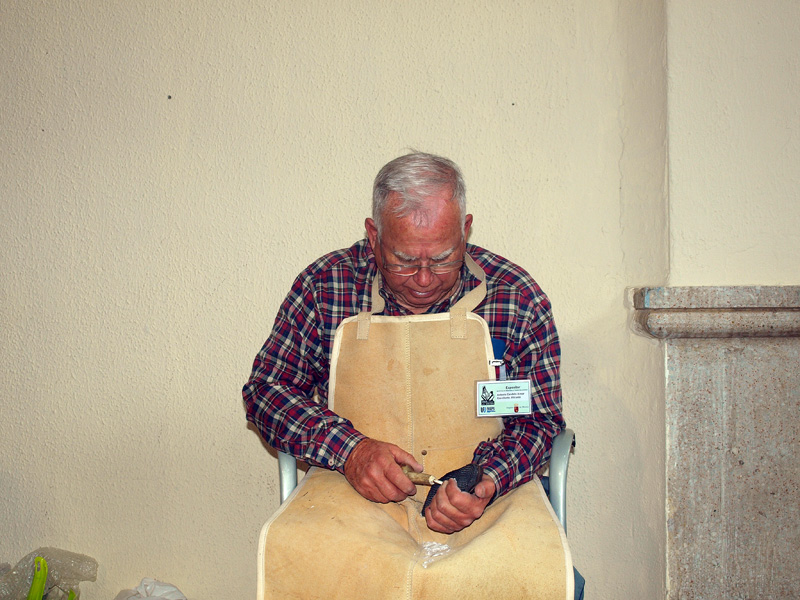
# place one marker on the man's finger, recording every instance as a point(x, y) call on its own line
point(441, 515)
point(402, 457)
point(373, 470)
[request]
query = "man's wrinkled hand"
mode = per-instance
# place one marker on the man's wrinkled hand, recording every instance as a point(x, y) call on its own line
point(452, 510)
point(374, 469)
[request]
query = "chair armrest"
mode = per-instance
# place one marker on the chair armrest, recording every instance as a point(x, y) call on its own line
point(559, 463)
point(287, 472)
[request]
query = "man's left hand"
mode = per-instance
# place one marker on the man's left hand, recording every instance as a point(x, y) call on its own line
point(452, 510)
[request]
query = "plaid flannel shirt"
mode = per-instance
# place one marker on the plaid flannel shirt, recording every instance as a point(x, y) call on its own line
point(286, 395)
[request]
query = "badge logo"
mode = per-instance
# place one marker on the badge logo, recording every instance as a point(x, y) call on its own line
point(487, 397)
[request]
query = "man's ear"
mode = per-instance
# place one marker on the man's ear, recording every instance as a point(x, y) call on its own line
point(372, 233)
point(467, 225)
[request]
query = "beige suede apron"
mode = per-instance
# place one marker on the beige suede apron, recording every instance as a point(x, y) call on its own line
point(411, 381)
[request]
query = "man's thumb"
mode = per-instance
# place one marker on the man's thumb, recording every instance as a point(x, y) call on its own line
point(482, 490)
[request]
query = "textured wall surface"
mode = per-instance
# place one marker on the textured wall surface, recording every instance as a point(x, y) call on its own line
point(169, 167)
point(734, 142)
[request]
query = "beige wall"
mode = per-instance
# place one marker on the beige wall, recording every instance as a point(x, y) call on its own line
point(167, 170)
point(734, 139)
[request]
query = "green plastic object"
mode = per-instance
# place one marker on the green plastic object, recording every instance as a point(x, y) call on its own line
point(39, 579)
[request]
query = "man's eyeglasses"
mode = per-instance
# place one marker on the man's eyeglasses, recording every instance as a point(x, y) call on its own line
point(409, 270)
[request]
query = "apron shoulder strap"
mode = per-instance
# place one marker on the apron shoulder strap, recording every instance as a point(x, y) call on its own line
point(376, 306)
point(470, 301)
point(458, 312)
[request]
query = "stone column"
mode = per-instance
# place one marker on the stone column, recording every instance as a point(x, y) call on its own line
point(733, 437)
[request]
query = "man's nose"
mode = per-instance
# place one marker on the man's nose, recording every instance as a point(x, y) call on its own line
point(423, 277)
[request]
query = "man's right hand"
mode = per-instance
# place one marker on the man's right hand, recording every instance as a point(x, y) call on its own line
point(374, 470)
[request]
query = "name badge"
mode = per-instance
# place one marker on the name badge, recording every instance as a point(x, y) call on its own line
point(504, 398)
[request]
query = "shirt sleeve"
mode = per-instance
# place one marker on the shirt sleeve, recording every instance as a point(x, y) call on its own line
point(280, 395)
point(524, 446)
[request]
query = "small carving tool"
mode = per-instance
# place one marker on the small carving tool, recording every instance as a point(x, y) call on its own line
point(420, 478)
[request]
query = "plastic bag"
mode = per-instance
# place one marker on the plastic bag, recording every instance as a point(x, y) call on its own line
point(65, 571)
point(150, 588)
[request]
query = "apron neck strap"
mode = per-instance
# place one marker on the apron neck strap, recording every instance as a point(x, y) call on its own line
point(472, 299)
point(458, 312)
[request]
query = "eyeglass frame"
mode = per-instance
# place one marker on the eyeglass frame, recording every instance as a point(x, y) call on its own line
point(451, 266)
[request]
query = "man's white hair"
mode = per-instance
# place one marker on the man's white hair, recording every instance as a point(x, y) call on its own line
point(415, 177)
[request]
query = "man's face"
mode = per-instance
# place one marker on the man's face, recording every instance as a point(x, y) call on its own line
point(440, 240)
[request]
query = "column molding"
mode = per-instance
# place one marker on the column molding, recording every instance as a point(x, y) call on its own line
point(717, 312)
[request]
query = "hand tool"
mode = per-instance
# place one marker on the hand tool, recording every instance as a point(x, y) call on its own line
point(420, 478)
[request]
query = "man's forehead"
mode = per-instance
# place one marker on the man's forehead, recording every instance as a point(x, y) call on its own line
point(432, 213)
point(408, 238)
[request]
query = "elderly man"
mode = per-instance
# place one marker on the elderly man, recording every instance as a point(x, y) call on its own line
point(417, 242)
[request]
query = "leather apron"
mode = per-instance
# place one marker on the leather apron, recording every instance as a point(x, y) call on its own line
point(410, 381)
